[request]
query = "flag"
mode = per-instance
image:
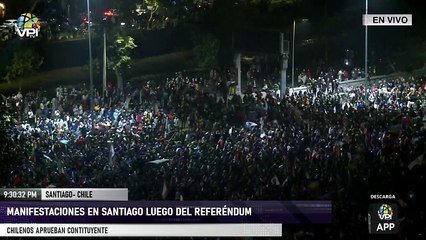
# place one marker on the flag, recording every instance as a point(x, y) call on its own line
point(111, 155)
point(33, 153)
point(275, 181)
point(286, 181)
point(171, 116)
point(17, 181)
point(84, 180)
point(36, 155)
point(251, 125)
point(159, 161)
point(127, 102)
point(71, 175)
point(262, 132)
point(417, 161)
point(165, 191)
point(48, 158)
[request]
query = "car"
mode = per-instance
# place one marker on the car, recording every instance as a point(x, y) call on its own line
point(5, 32)
point(5, 29)
point(43, 23)
point(10, 22)
point(111, 13)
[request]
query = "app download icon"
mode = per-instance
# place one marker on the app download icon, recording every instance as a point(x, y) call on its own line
point(382, 218)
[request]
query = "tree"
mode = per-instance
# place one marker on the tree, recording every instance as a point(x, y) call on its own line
point(24, 63)
point(120, 56)
point(206, 52)
point(153, 6)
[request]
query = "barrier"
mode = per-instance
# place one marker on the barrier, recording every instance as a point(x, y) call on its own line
point(363, 81)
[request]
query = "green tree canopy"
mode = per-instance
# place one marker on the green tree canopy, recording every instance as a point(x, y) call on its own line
point(153, 6)
point(120, 53)
point(206, 52)
point(24, 63)
point(119, 56)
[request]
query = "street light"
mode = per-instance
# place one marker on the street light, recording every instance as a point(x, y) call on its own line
point(90, 57)
point(2, 10)
point(366, 42)
point(292, 53)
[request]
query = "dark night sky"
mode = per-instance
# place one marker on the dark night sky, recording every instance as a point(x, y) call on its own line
point(347, 11)
point(337, 22)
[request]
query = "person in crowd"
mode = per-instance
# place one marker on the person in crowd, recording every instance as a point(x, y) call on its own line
point(324, 143)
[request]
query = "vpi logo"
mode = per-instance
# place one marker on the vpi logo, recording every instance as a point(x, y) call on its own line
point(28, 25)
point(382, 218)
point(385, 212)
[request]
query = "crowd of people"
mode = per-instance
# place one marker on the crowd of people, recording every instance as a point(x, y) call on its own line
point(328, 76)
point(175, 140)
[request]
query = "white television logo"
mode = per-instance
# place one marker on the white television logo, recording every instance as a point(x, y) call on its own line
point(26, 32)
point(385, 217)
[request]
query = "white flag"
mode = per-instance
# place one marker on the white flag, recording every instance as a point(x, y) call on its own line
point(111, 155)
point(417, 161)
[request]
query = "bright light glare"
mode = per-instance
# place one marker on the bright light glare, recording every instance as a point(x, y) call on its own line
point(109, 13)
